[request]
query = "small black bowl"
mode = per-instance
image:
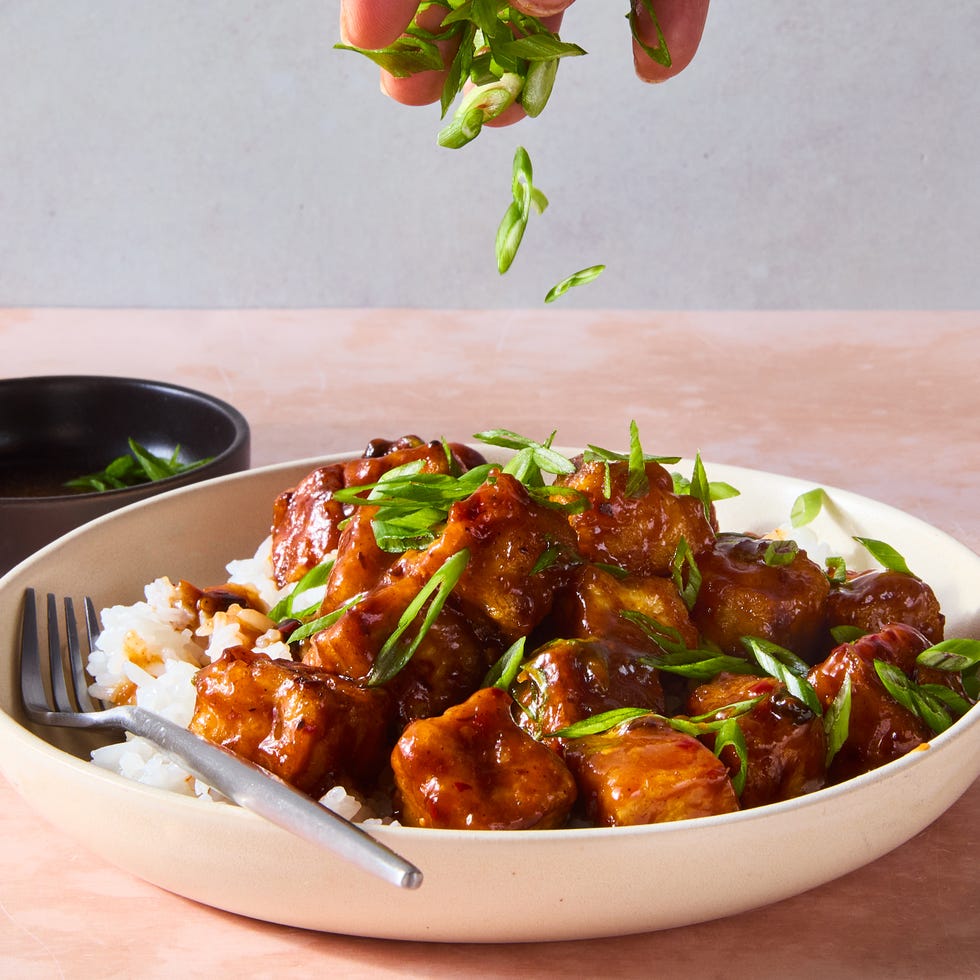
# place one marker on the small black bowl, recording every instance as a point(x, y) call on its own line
point(58, 427)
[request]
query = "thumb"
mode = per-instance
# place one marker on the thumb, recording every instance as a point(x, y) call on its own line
point(682, 23)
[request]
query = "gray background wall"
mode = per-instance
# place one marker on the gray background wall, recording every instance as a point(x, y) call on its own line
point(222, 154)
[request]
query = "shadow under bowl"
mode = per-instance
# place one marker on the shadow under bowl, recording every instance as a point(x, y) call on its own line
point(57, 427)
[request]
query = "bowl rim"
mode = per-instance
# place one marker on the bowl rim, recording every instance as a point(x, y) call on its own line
point(240, 438)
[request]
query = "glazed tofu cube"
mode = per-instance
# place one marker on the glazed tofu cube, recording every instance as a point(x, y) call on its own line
point(472, 768)
point(594, 601)
point(309, 728)
point(566, 681)
point(785, 741)
point(873, 600)
point(304, 523)
point(638, 533)
point(448, 665)
point(506, 534)
point(646, 772)
point(742, 595)
point(880, 728)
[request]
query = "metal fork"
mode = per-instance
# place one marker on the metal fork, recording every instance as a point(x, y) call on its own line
point(241, 781)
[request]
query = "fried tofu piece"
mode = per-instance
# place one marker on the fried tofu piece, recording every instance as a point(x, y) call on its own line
point(785, 741)
point(507, 534)
point(872, 600)
point(448, 665)
point(646, 772)
point(304, 523)
point(472, 768)
point(306, 519)
point(638, 533)
point(566, 681)
point(499, 597)
point(593, 603)
point(360, 564)
point(351, 645)
point(309, 728)
point(880, 728)
point(741, 595)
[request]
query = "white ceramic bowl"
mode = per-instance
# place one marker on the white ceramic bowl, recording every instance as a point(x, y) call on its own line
point(479, 886)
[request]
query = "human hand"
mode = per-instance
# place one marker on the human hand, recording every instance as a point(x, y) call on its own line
point(377, 23)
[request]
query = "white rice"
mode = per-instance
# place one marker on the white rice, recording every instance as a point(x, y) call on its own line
point(149, 653)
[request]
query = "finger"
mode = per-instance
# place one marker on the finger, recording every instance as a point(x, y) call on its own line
point(375, 23)
point(419, 89)
point(541, 8)
point(508, 117)
point(682, 22)
point(425, 86)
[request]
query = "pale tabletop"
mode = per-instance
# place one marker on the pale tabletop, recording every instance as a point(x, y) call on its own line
point(885, 404)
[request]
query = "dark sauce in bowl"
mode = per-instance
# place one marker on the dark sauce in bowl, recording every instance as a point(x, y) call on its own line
point(36, 479)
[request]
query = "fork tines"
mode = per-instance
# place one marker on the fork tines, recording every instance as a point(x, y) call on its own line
point(68, 681)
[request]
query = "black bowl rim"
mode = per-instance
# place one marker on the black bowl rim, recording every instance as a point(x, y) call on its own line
point(242, 433)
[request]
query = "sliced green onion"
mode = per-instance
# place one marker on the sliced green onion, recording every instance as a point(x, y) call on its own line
point(394, 655)
point(141, 466)
point(506, 669)
point(955, 655)
point(314, 578)
point(697, 664)
point(412, 505)
point(934, 704)
point(602, 722)
point(637, 483)
point(541, 454)
point(836, 570)
point(885, 555)
point(538, 86)
point(685, 573)
point(837, 719)
point(780, 553)
point(806, 507)
point(786, 667)
point(580, 278)
point(847, 634)
point(323, 622)
point(660, 54)
point(730, 734)
point(705, 724)
point(700, 488)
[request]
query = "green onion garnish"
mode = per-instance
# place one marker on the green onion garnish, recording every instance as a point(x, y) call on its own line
point(140, 466)
point(885, 555)
point(393, 654)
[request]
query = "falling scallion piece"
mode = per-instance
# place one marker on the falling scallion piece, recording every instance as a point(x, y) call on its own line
point(579, 278)
point(524, 194)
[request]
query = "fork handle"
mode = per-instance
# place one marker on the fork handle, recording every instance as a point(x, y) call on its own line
point(258, 790)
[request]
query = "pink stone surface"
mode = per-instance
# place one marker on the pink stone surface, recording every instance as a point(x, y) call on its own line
point(883, 403)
